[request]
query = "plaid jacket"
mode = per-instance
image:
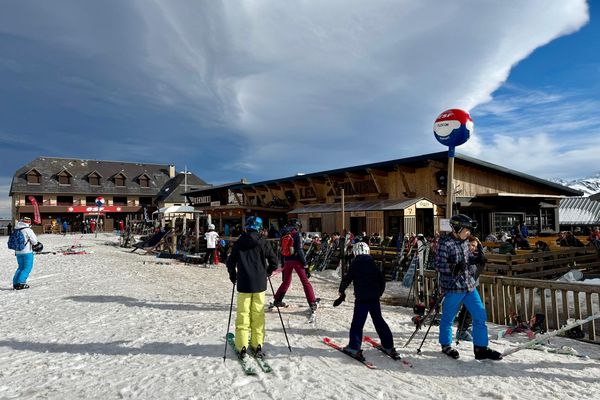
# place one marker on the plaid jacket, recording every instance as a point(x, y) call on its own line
point(452, 251)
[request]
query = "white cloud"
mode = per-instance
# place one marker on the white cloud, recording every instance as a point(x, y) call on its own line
point(301, 85)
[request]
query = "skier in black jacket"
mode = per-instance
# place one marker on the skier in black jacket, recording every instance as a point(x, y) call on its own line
point(247, 266)
point(369, 285)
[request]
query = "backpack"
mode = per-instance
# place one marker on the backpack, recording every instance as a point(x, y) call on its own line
point(287, 245)
point(16, 241)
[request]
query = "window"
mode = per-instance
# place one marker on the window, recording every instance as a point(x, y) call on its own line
point(120, 201)
point(120, 180)
point(34, 178)
point(64, 200)
point(94, 179)
point(145, 201)
point(39, 199)
point(506, 222)
point(144, 181)
point(548, 219)
point(64, 178)
point(90, 200)
point(314, 224)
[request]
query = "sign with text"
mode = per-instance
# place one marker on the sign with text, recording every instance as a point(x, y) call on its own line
point(88, 209)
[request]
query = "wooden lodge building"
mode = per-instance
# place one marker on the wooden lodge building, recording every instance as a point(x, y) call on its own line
point(66, 189)
point(393, 197)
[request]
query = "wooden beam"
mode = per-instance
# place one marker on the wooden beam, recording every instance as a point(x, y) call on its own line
point(377, 172)
point(374, 180)
point(351, 181)
point(332, 184)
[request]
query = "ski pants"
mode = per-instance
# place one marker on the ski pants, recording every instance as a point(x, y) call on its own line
point(358, 322)
point(210, 256)
point(472, 301)
point(25, 262)
point(250, 319)
point(297, 266)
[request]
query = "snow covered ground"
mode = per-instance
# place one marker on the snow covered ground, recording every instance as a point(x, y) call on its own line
point(117, 325)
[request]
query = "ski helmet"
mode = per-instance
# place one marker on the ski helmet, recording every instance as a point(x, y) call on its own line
point(295, 223)
point(461, 221)
point(254, 223)
point(211, 226)
point(360, 248)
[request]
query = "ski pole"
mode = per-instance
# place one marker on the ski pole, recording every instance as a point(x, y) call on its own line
point(437, 311)
point(229, 322)
point(280, 318)
point(461, 324)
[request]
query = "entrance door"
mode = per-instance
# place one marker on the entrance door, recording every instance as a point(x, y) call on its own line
point(358, 225)
point(425, 221)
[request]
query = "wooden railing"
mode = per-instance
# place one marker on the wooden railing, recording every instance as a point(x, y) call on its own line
point(530, 264)
point(557, 301)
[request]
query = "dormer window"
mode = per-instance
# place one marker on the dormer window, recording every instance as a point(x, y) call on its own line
point(34, 177)
point(119, 180)
point(144, 181)
point(64, 177)
point(94, 179)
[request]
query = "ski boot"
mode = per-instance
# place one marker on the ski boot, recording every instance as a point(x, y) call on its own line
point(279, 304)
point(450, 352)
point(258, 352)
point(464, 335)
point(393, 353)
point(313, 306)
point(243, 353)
point(485, 353)
point(21, 286)
point(358, 354)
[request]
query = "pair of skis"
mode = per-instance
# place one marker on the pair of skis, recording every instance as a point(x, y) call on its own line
point(244, 362)
point(329, 342)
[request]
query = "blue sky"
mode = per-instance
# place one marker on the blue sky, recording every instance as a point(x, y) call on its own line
point(267, 89)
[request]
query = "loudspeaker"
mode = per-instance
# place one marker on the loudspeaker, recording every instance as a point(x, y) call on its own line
point(441, 177)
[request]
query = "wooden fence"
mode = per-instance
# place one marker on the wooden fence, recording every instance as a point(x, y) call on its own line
point(557, 301)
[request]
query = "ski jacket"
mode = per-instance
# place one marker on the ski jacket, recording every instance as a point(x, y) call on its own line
point(250, 255)
point(211, 239)
point(298, 249)
point(369, 282)
point(30, 238)
point(451, 252)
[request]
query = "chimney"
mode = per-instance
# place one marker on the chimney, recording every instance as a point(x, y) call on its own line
point(171, 171)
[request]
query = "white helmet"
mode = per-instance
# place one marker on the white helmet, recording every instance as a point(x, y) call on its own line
point(211, 226)
point(360, 248)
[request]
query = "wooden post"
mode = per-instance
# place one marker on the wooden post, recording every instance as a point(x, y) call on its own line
point(197, 233)
point(450, 183)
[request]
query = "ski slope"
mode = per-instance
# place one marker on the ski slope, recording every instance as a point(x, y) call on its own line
point(115, 325)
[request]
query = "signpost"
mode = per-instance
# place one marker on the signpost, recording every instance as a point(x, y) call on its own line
point(452, 128)
point(100, 203)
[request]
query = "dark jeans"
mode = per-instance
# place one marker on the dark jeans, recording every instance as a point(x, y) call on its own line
point(209, 256)
point(358, 322)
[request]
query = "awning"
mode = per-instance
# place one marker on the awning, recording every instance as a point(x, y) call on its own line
point(381, 205)
point(178, 210)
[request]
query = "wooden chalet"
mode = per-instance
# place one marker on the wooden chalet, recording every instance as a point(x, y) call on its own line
point(406, 195)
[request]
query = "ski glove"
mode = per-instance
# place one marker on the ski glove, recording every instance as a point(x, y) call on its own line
point(233, 277)
point(339, 300)
point(459, 268)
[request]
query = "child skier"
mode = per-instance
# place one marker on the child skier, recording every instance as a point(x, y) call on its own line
point(250, 255)
point(369, 285)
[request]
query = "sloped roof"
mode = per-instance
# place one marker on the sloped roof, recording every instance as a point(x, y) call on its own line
point(48, 167)
point(579, 211)
point(174, 189)
point(422, 160)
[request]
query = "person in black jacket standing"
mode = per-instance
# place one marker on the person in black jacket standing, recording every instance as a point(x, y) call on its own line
point(369, 285)
point(251, 261)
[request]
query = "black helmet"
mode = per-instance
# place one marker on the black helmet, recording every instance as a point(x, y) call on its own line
point(461, 221)
point(295, 223)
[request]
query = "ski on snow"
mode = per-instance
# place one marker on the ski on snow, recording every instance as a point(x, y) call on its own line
point(336, 346)
point(547, 336)
point(378, 346)
point(248, 369)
